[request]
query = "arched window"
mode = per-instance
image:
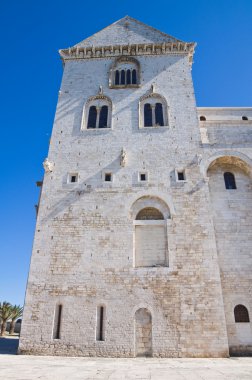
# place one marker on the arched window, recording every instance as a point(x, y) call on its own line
point(202, 118)
point(150, 238)
point(150, 213)
point(153, 111)
point(159, 118)
point(143, 332)
point(241, 313)
point(117, 77)
point(128, 76)
point(122, 77)
point(125, 72)
point(103, 120)
point(92, 117)
point(97, 112)
point(147, 115)
point(134, 76)
point(244, 118)
point(229, 179)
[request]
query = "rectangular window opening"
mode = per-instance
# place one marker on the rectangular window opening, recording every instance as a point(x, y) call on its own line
point(108, 177)
point(100, 323)
point(181, 176)
point(143, 177)
point(57, 322)
point(73, 178)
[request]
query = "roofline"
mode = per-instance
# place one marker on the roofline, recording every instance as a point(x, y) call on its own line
point(224, 108)
point(135, 20)
point(155, 29)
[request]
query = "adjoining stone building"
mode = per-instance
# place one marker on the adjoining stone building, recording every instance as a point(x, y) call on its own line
point(143, 236)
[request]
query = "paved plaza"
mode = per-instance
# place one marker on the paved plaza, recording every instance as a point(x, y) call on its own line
point(21, 367)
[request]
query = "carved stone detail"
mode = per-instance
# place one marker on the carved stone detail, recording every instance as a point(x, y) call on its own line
point(78, 52)
point(123, 158)
point(48, 166)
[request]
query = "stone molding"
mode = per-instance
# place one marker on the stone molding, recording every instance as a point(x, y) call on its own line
point(227, 122)
point(178, 48)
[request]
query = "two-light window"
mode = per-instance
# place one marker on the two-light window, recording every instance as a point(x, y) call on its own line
point(125, 72)
point(98, 117)
point(153, 111)
point(153, 115)
point(97, 113)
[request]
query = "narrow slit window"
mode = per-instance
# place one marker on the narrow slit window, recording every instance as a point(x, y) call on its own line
point(100, 323)
point(103, 121)
point(134, 77)
point(159, 114)
point(117, 77)
point(92, 116)
point(128, 76)
point(57, 322)
point(122, 76)
point(147, 115)
point(229, 180)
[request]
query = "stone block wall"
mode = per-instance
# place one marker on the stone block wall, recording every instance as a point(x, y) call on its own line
point(83, 253)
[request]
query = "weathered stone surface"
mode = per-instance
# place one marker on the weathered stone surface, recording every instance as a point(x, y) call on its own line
point(84, 252)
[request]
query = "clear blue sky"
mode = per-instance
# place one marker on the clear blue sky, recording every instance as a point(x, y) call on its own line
point(31, 34)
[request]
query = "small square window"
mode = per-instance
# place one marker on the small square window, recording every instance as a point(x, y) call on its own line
point(108, 177)
point(180, 176)
point(142, 177)
point(72, 178)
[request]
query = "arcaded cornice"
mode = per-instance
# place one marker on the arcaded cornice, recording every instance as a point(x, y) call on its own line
point(76, 52)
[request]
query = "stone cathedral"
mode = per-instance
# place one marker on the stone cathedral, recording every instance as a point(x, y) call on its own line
point(143, 237)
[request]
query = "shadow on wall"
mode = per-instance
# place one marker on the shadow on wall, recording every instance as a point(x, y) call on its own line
point(9, 345)
point(83, 188)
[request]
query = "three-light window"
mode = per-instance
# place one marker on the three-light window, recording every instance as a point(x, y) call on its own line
point(125, 72)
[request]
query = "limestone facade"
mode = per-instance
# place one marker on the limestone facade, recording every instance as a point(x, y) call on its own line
point(139, 248)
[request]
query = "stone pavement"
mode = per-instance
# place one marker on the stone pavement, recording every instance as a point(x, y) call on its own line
point(15, 367)
point(21, 367)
